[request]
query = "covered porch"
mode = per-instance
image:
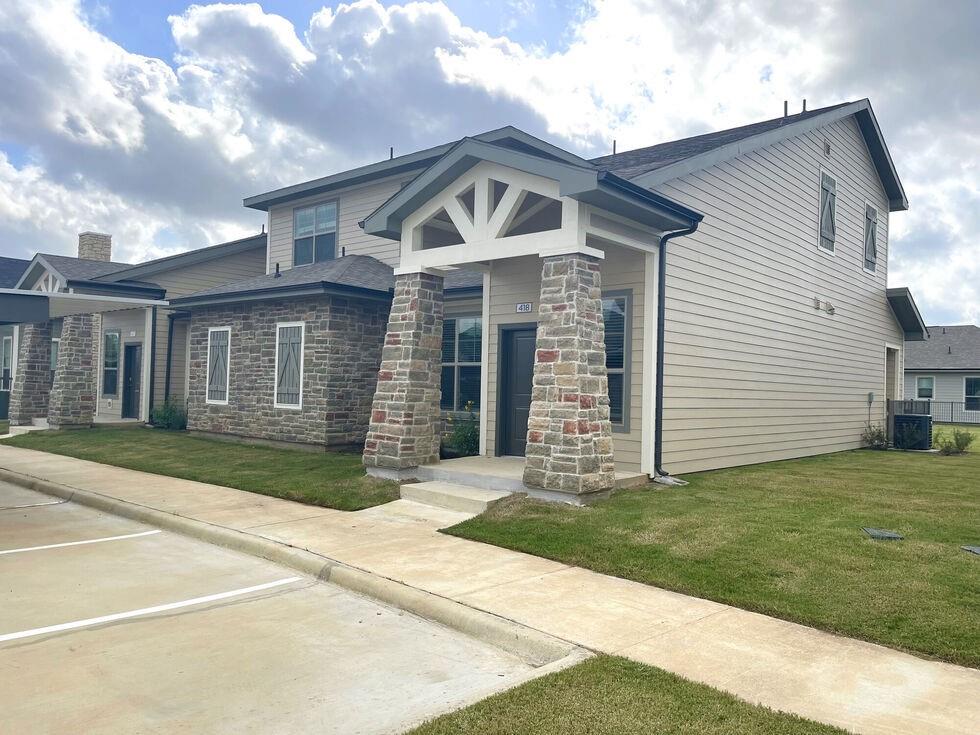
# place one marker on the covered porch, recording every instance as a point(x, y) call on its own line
point(567, 342)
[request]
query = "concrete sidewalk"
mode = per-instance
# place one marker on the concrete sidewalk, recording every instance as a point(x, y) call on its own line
point(852, 684)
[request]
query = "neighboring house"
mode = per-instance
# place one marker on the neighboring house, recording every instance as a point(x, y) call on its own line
point(945, 370)
point(11, 269)
point(504, 273)
point(133, 339)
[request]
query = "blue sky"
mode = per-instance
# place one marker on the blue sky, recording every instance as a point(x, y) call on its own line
point(152, 120)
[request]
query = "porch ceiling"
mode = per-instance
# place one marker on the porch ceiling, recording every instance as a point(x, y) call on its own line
point(23, 307)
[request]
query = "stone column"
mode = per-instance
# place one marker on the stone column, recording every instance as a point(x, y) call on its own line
point(72, 401)
point(32, 382)
point(569, 437)
point(404, 430)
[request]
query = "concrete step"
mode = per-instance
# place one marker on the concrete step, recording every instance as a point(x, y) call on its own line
point(463, 498)
point(16, 430)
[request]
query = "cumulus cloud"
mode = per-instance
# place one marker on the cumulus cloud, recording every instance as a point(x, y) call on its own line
point(162, 151)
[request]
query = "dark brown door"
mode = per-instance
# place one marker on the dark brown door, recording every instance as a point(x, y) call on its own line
point(516, 371)
point(132, 377)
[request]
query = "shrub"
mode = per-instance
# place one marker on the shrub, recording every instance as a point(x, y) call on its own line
point(465, 436)
point(963, 439)
point(171, 416)
point(875, 437)
point(955, 444)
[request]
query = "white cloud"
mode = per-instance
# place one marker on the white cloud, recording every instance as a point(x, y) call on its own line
point(163, 153)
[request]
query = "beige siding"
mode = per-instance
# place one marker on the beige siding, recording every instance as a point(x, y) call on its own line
point(948, 386)
point(753, 371)
point(354, 204)
point(519, 280)
point(131, 325)
point(178, 361)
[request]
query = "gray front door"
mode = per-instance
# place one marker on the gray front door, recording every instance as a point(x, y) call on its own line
point(516, 371)
point(132, 377)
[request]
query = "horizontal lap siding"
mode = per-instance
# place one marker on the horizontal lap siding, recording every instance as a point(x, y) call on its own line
point(753, 372)
point(131, 326)
point(355, 204)
point(949, 386)
point(178, 361)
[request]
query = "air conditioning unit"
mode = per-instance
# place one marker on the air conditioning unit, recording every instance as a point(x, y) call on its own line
point(912, 431)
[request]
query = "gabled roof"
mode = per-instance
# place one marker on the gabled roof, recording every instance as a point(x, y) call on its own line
point(947, 348)
point(351, 274)
point(68, 268)
point(11, 269)
point(907, 314)
point(188, 258)
point(656, 164)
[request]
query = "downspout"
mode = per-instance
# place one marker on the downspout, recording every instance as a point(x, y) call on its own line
point(153, 365)
point(660, 474)
point(170, 344)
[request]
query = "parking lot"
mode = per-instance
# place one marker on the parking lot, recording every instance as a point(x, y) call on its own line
point(110, 626)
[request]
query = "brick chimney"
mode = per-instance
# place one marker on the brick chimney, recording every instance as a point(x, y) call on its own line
point(95, 246)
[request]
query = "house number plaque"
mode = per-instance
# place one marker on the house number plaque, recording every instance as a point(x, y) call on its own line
point(524, 308)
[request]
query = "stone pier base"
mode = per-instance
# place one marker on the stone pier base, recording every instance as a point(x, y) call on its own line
point(72, 403)
point(32, 381)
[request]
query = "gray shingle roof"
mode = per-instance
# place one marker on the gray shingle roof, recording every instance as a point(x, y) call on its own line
point(947, 348)
point(82, 269)
point(351, 271)
point(11, 269)
point(630, 164)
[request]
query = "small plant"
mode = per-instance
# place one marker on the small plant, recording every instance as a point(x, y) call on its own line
point(874, 436)
point(465, 435)
point(907, 436)
point(171, 416)
point(958, 443)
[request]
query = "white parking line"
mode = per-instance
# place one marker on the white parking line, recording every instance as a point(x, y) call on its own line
point(79, 543)
point(34, 505)
point(144, 611)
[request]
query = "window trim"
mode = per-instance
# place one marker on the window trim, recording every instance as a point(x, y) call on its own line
point(118, 368)
point(823, 171)
point(456, 364)
point(933, 379)
point(3, 342)
point(625, 427)
point(302, 364)
point(977, 396)
point(864, 240)
point(207, 370)
point(313, 206)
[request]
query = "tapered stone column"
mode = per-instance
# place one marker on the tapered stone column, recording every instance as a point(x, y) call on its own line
point(404, 430)
point(569, 437)
point(32, 381)
point(72, 403)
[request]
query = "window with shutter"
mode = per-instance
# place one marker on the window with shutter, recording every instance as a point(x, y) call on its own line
point(219, 368)
point(870, 238)
point(289, 365)
point(828, 212)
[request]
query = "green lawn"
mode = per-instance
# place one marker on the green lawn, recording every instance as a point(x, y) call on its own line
point(613, 696)
point(330, 479)
point(785, 539)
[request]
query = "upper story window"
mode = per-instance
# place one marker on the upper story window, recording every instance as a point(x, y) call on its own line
point(924, 387)
point(462, 347)
point(828, 212)
point(870, 238)
point(315, 233)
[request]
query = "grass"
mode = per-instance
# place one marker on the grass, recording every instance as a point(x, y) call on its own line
point(612, 696)
point(785, 539)
point(329, 479)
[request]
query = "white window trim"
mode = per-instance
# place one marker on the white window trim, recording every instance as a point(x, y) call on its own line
point(10, 339)
point(119, 358)
point(877, 209)
point(207, 371)
point(336, 242)
point(965, 409)
point(823, 170)
point(302, 365)
point(933, 377)
point(53, 340)
point(456, 364)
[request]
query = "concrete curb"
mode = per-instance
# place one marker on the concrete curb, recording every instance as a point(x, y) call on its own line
point(533, 646)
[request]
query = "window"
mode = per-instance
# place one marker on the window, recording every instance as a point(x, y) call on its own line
point(870, 238)
point(289, 365)
point(6, 363)
point(219, 364)
point(110, 364)
point(462, 348)
point(615, 315)
point(971, 393)
point(55, 346)
point(924, 387)
point(828, 212)
point(315, 233)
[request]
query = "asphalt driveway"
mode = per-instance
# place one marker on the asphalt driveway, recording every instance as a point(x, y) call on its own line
point(110, 626)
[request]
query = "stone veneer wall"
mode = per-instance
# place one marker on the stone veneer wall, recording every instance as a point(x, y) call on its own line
point(32, 381)
point(341, 356)
point(72, 401)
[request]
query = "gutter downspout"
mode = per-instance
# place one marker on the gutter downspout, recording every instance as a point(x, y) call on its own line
point(170, 344)
point(153, 365)
point(660, 474)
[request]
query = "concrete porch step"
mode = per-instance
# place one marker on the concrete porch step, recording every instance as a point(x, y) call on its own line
point(463, 498)
point(17, 430)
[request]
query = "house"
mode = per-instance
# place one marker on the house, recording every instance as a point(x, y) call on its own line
point(944, 369)
point(11, 269)
point(113, 323)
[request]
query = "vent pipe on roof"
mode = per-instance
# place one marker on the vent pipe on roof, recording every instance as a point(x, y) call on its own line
point(785, 108)
point(391, 152)
point(614, 146)
point(263, 229)
point(949, 350)
point(804, 104)
point(278, 274)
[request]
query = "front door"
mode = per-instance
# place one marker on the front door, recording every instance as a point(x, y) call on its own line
point(132, 377)
point(516, 370)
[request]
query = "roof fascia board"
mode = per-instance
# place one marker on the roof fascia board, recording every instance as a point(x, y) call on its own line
point(509, 131)
point(286, 292)
point(109, 286)
point(63, 296)
point(882, 158)
point(183, 260)
point(770, 137)
point(902, 297)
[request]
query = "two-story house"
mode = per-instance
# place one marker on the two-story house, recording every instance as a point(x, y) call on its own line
point(709, 302)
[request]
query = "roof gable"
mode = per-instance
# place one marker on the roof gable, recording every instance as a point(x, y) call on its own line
point(182, 260)
point(66, 268)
